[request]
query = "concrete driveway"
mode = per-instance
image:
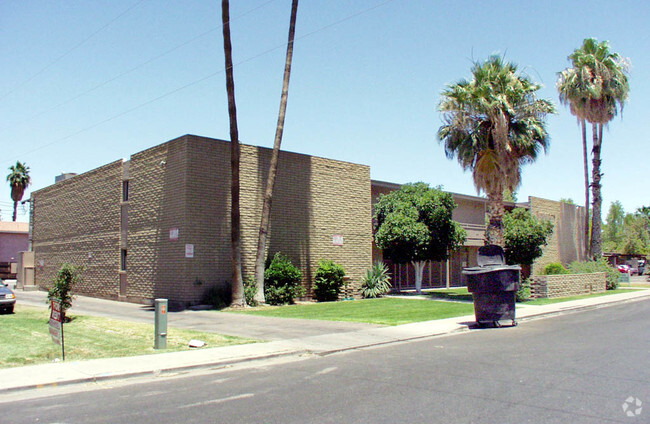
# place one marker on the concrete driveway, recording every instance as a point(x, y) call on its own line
point(232, 324)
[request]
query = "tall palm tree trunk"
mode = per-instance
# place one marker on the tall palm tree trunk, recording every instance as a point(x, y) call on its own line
point(596, 220)
point(494, 230)
point(238, 298)
point(585, 157)
point(15, 210)
point(273, 168)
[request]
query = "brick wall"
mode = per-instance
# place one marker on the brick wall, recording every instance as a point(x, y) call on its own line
point(184, 184)
point(552, 286)
point(78, 221)
point(566, 244)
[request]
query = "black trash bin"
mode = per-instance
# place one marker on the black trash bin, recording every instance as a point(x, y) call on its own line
point(494, 286)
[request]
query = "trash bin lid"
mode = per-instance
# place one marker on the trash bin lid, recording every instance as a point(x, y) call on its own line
point(489, 269)
point(490, 255)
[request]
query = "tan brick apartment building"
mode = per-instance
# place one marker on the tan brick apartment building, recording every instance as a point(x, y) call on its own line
point(158, 224)
point(565, 244)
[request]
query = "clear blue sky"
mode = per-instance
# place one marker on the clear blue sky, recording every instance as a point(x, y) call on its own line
point(83, 83)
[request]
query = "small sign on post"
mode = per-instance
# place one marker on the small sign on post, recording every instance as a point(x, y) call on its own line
point(56, 326)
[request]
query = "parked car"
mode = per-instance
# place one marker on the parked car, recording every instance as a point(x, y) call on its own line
point(625, 269)
point(7, 298)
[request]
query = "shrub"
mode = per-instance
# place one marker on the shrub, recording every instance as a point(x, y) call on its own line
point(523, 294)
point(555, 268)
point(219, 296)
point(282, 281)
point(600, 265)
point(250, 290)
point(376, 281)
point(66, 279)
point(328, 281)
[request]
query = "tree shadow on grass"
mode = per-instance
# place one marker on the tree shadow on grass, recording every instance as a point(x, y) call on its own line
point(457, 297)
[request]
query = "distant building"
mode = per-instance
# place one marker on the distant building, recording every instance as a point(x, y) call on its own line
point(565, 244)
point(14, 238)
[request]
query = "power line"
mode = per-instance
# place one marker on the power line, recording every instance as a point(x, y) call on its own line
point(135, 68)
point(75, 47)
point(200, 80)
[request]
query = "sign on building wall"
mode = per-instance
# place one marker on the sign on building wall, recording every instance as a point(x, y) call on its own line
point(173, 234)
point(189, 250)
point(337, 240)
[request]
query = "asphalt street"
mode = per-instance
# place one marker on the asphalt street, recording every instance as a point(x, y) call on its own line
point(587, 367)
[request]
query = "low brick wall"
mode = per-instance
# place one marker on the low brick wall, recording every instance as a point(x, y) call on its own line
point(551, 286)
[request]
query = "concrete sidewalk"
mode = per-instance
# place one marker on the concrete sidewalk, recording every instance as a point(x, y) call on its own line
point(53, 374)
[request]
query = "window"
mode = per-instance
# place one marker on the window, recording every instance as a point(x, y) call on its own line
point(125, 190)
point(123, 260)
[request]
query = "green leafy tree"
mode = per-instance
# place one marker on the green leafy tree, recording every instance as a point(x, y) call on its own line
point(596, 88)
point(636, 235)
point(525, 236)
point(494, 124)
point(509, 196)
point(644, 210)
point(19, 180)
point(614, 227)
point(67, 278)
point(626, 233)
point(414, 225)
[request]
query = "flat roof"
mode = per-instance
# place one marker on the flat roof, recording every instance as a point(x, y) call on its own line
point(395, 186)
point(14, 227)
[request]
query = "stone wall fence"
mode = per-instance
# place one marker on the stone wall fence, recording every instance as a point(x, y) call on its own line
point(565, 285)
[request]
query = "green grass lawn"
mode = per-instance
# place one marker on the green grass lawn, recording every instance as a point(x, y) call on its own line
point(566, 299)
point(25, 338)
point(386, 311)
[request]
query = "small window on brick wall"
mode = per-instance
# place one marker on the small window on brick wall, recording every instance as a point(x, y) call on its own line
point(123, 260)
point(125, 190)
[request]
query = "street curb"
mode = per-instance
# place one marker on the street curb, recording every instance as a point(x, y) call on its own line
point(155, 372)
point(297, 352)
point(583, 308)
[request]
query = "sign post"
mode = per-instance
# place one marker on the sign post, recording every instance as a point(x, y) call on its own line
point(56, 326)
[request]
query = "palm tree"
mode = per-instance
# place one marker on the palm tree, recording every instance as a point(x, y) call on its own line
point(493, 125)
point(238, 298)
point(19, 180)
point(598, 86)
point(273, 168)
point(571, 88)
